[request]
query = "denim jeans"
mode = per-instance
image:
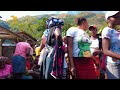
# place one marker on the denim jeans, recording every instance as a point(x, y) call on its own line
point(113, 70)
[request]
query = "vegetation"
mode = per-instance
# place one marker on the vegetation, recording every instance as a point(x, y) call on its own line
point(35, 25)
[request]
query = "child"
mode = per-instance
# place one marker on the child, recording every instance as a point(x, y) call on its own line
point(5, 69)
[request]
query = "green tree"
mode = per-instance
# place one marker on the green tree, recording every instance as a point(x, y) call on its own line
point(35, 25)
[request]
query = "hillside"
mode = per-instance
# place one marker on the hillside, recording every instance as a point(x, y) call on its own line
point(35, 25)
point(93, 18)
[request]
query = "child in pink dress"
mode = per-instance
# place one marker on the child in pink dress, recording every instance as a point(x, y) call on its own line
point(5, 69)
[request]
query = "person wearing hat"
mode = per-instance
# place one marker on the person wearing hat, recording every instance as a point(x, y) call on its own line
point(111, 44)
point(96, 47)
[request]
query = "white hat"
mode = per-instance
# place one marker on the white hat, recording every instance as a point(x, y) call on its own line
point(110, 13)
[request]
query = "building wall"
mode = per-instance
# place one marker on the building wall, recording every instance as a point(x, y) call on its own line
point(8, 51)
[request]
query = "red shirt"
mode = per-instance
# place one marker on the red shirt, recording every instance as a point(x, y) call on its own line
point(28, 64)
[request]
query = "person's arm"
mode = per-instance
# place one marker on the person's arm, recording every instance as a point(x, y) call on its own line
point(70, 53)
point(43, 42)
point(9, 76)
point(65, 49)
point(28, 52)
point(106, 51)
point(97, 52)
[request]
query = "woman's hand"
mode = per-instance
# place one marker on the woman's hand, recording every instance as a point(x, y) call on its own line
point(73, 71)
point(96, 52)
point(72, 68)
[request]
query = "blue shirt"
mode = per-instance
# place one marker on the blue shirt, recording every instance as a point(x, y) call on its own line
point(114, 37)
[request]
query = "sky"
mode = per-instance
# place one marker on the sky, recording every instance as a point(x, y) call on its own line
point(6, 15)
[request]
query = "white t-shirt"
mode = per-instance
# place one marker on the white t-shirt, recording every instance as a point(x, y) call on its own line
point(94, 44)
point(114, 37)
point(75, 32)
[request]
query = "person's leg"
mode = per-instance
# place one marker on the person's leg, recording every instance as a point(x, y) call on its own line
point(106, 77)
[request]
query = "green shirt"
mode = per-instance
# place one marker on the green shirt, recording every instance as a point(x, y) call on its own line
point(84, 45)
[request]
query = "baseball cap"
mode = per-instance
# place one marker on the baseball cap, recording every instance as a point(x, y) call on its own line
point(91, 27)
point(110, 13)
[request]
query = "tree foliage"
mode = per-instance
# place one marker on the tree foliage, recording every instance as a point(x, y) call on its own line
point(30, 25)
point(35, 25)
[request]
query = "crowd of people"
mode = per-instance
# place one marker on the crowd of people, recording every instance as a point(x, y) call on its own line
point(77, 55)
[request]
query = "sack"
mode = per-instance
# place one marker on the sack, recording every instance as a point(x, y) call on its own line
point(57, 69)
point(42, 56)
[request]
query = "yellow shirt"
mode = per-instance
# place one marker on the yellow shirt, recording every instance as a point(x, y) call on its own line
point(33, 58)
point(37, 51)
